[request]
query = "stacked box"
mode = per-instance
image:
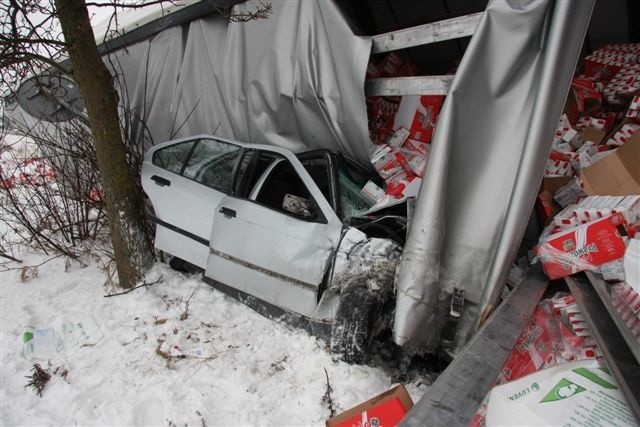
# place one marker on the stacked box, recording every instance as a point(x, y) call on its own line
point(583, 247)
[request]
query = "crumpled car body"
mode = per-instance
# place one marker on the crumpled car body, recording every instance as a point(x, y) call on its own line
point(282, 232)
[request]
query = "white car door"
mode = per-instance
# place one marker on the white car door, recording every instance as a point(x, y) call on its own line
point(276, 252)
point(186, 180)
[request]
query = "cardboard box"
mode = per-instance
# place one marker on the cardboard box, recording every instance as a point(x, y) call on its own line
point(590, 133)
point(617, 174)
point(583, 247)
point(387, 409)
point(569, 194)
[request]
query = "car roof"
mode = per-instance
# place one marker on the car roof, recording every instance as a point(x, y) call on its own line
point(247, 145)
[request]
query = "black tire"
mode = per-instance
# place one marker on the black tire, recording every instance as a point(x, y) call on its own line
point(178, 264)
point(352, 328)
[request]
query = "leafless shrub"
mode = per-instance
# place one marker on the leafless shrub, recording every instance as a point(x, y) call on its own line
point(38, 379)
point(52, 201)
point(327, 397)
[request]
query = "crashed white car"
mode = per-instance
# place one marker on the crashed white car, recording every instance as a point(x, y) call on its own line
point(288, 234)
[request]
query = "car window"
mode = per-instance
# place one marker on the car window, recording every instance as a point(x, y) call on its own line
point(173, 156)
point(318, 169)
point(284, 190)
point(212, 164)
point(252, 166)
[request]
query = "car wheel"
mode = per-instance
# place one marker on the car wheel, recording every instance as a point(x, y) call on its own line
point(352, 328)
point(178, 264)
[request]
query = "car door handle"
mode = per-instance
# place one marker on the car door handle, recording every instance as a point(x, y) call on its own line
point(230, 213)
point(162, 182)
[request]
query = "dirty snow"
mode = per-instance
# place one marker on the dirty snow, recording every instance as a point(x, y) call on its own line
point(233, 366)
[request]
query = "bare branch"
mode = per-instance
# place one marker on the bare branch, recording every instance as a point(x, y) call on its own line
point(262, 11)
point(143, 285)
point(118, 5)
point(3, 255)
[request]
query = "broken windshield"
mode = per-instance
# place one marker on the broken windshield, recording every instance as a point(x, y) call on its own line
point(351, 182)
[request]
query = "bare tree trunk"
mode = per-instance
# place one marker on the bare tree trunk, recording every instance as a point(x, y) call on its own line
point(133, 255)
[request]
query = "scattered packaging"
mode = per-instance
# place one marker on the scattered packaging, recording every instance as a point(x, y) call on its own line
point(418, 114)
point(631, 264)
point(389, 66)
point(381, 112)
point(558, 168)
point(593, 132)
point(626, 301)
point(582, 158)
point(403, 188)
point(546, 207)
point(613, 270)
point(417, 161)
point(625, 82)
point(617, 174)
point(575, 393)
point(40, 343)
point(623, 134)
point(604, 63)
point(548, 340)
point(544, 342)
point(372, 191)
point(398, 138)
point(587, 94)
point(386, 409)
point(390, 163)
point(569, 194)
point(417, 146)
point(572, 137)
point(583, 247)
point(634, 108)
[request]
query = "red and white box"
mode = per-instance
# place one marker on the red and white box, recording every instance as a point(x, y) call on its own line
point(582, 248)
point(419, 114)
point(558, 168)
point(398, 138)
point(582, 159)
point(629, 206)
point(388, 162)
point(563, 125)
point(634, 108)
point(622, 135)
point(390, 65)
point(381, 112)
point(417, 146)
point(613, 270)
point(631, 264)
point(417, 161)
point(569, 194)
point(385, 409)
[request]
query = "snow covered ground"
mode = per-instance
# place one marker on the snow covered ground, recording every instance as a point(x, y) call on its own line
point(174, 353)
point(236, 368)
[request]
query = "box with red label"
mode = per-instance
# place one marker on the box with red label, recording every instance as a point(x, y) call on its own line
point(583, 247)
point(634, 108)
point(390, 65)
point(419, 114)
point(542, 343)
point(386, 409)
point(588, 96)
point(545, 342)
point(389, 162)
point(381, 112)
